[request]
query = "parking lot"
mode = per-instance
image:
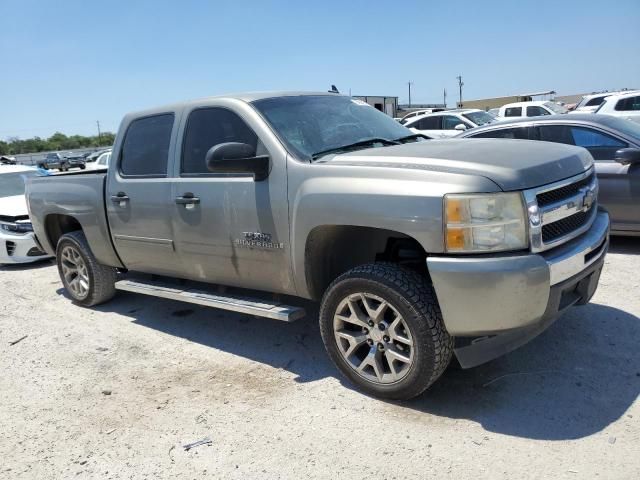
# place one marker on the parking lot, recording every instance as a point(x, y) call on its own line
point(116, 391)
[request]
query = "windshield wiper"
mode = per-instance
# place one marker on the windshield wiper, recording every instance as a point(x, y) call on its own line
point(354, 146)
point(415, 136)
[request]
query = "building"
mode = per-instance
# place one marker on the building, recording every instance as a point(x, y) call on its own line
point(497, 102)
point(388, 105)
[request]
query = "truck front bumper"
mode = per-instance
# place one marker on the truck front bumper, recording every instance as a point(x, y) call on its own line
point(494, 304)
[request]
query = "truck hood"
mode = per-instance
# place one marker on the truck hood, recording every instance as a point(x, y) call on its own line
point(511, 164)
point(13, 206)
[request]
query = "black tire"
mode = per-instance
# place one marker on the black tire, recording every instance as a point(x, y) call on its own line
point(82, 166)
point(102, 278)
point(415, 300)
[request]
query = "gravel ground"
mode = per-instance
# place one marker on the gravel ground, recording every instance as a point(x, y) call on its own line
point(115, 391)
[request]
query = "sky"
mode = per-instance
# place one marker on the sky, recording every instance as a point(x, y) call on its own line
point(65, 65)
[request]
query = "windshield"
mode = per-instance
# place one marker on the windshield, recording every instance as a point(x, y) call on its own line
point(12, 184)
point(555, 108)
point(629, 128)
point(480, 118)
point(310, 124)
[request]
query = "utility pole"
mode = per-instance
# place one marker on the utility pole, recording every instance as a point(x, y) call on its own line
point(409, 83)
point(444, 97)
point(99, 134)
point(460, 85)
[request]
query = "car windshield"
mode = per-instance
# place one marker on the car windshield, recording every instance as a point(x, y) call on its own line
point(309, 124)
point(480, 118)
point(12, 184)
point(555, 108)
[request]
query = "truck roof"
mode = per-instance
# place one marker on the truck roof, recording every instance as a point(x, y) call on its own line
point(245, 97)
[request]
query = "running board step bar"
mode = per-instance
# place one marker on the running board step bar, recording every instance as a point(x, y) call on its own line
point(248, 305)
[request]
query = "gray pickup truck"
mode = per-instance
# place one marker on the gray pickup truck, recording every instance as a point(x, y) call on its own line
point(416, 249)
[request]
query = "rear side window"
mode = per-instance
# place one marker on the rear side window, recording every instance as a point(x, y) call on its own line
point(513, 112)
point(428, 123)
point(208, 127)
point(520, 133)
point(145, 151)
point(594, 102)
point(628, 104)
point(536, 111)
point(556, 134)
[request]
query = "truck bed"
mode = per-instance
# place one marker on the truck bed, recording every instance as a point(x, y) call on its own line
point(75, 194)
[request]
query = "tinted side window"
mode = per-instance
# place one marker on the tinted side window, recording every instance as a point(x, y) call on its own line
point(594, 102)
point(600, 145)
point(628, 104)
point(536, 111)
point(428, 123)
point(145, 150)
point(556, 133)
point(520, 133)
point(208, 127)
point(513, 112)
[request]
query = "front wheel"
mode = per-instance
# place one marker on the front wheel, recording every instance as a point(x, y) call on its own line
point(382, 327)
point(87, 281)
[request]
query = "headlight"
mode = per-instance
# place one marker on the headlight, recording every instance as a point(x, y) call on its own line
point(489, 222)
point(19, 228)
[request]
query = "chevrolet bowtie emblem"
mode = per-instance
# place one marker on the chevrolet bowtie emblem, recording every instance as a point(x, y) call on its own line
point(588, 199)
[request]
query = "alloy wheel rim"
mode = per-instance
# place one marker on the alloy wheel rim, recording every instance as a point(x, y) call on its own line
point(75, 272)
point(373, 338)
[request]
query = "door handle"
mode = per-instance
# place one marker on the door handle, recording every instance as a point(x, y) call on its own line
point(188, 200)
point(121, 199)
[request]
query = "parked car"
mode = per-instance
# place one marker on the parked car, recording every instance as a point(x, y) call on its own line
point(17, 243)
point(590, 103)
point(102, 161)
point(7, 160)
point(530, 109)
point(625, 105)
point(450, 123)
point(613, 142)
point(56, 160)
point(93, 156)
point(323, 197)
point(416, 113)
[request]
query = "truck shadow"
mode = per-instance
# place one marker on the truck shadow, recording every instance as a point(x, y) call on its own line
point(572, 381)
point(625, 245)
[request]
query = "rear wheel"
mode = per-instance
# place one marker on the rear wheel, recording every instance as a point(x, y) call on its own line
point(87, 281)
point(382, 327)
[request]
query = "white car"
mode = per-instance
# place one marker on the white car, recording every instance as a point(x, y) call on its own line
point(626, 105)
point(416, 113)
point(101, 162)
point(450, 123)
point(17, 244)
point(590, 103)
point(530, 109)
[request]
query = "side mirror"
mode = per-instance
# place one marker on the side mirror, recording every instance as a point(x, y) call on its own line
point(460, 127)
point(233, 157)
point(626, 156)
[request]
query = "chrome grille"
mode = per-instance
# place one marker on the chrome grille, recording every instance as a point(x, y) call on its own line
point(562, 193)
point(561, 211)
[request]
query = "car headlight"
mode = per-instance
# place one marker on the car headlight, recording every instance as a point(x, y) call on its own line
point(19, 228)
point(489, 222)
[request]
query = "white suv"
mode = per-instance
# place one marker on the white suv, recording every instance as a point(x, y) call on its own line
point(530, 109)
point(450, 123)
point(626, 105)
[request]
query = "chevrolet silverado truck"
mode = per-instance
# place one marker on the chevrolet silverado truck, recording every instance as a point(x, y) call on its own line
point(417, 250)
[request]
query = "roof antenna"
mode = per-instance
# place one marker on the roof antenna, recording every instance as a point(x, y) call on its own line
point(334, 89)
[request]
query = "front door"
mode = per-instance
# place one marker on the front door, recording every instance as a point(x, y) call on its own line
point(138, 196)
point(235, 231)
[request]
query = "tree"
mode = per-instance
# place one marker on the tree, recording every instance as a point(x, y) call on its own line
point(57, 141)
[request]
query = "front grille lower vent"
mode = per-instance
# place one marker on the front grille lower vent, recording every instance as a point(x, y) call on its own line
point(11, 247)
point(555, 230)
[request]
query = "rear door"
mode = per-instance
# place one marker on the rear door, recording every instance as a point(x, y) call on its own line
point(619, 184)
point(237, 231)
point(138, 194)
point(431, 126)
